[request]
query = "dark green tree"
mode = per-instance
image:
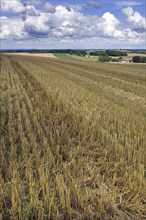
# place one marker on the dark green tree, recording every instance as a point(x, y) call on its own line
point(136, 59)
point(103, 58)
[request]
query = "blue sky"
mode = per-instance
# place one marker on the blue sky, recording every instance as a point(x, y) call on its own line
point(73, 24)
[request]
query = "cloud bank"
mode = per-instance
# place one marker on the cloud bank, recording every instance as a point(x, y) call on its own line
point(66, 24)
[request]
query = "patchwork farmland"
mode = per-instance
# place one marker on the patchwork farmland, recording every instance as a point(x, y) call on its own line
point(72, 139)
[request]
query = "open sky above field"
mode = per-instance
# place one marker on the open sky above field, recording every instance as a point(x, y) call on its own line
point(72, 24)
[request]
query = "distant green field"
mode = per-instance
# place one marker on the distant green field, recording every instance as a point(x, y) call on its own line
point(87, 59)
point(131, 55)
point(124, 57)
point(64, 56)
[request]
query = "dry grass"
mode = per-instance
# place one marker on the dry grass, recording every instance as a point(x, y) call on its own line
point(50, 55)
point(72, 140)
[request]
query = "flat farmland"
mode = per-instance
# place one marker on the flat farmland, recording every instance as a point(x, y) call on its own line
point(72, 139)
point(49, 55)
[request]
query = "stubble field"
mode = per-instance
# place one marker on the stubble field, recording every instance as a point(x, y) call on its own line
point(72, 140)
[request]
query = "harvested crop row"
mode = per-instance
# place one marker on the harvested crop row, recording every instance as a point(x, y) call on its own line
point(131, 96)
point(67, 153)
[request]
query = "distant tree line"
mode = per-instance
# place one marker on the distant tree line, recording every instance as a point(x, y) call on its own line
point(116, 53)
point(69, 51)
point(135, 59)
point(98, 53)
point(137, 51)
point(113, 53)
point(108, 59)
point(94, 53)
point(78, 52)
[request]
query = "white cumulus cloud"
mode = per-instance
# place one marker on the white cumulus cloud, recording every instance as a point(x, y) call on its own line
point(137, 21)
point(66, 22)
point(13, 6)
point(49, 7)
point(36, 25)
point(12, 28)
point(110, 26)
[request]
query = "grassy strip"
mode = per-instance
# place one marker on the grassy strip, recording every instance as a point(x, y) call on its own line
point(64, 56)
point(86, 59)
